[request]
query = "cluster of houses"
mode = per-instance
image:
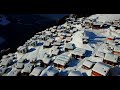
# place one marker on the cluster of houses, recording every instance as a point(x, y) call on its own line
point(50, 52)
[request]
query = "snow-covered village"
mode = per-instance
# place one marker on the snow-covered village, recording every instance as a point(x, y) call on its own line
point(86, 46)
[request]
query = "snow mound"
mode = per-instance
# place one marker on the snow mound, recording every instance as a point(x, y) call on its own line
point(105, 17)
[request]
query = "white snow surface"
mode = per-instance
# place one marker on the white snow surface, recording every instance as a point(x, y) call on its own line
point(105, 17)
point(77, 40)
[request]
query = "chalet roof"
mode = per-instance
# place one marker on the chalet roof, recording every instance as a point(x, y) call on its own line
point(21, 48)
point(19, 65)
point(117, 48)
point(21, 60)
point(5, 62)
point(98, 23)
point(104, 48)
point(69, 46)
point(50, 40)
point(55, 51)
point(60, 62)
point(101, 68)
point(95, 59)
point(54, 47)
point(57, 43)
point(88, 63)
point(46, 60)
point(46, 43)
point(79, 51)
point(111, 57)
point(13, 72)
point(49, 71)
point(5, 56)
point(27, 68)
point(68, 35)
point(100, 54)
point(36, 71)
point(62, 59)
point(75, 73)
point(68, 38)
point(48, 32)
point(2, 70)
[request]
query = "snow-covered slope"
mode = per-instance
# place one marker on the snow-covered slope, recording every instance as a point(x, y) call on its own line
point(105, 17)
point(77, 40)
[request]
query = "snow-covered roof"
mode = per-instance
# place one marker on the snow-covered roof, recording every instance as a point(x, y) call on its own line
point(62, 59)
point(54, 47)
point(50, 40)
point(46, 60)
point(105, 17)
point(100, 54)
point(104, 48)
point(88, 63)
point(36, 71)
point(57, 43)
point(49, 71)
point(69, 46)
point(95, 59)
point(55, 51)
point(5, 56)
point(46, 43)
point(13, 72)
point(19, 65)
point(78, 51)
point(101, 68)
point(27, 68)
point(2, 70)
point(60, 62)
point(5, 62)
point(21, 60)
point(68, 34)
point(48, 32)
point(117, 48)
point(75, 73)
point(111, 57)
point(68, 38)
